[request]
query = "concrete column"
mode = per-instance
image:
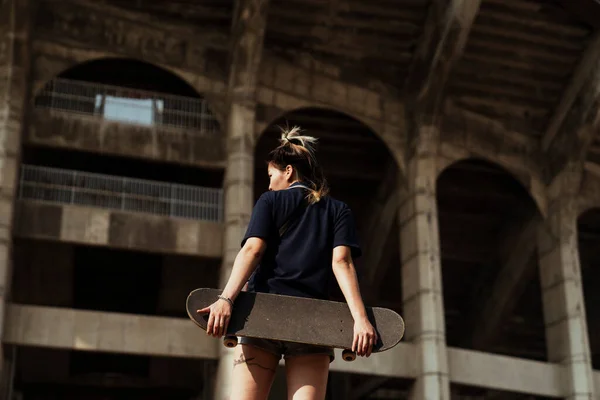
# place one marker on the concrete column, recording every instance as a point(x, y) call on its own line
point(562, 293)
point(14, 66)
point(421, 271)
point(248, 33)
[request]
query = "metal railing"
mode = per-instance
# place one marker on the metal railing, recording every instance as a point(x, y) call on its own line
point(120, 193)
point(127, 105)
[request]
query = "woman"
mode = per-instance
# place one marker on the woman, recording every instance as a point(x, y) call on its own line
point(297, 236)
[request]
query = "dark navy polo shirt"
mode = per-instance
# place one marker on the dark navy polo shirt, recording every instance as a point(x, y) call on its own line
point(300, 262)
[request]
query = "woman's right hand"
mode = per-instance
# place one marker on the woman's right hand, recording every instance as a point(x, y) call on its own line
point(218, 319)
point(365, 337)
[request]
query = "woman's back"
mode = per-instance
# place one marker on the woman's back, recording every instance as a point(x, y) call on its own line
point(298, 263)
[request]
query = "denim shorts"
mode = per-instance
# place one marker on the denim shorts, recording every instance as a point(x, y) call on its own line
point(287, 349)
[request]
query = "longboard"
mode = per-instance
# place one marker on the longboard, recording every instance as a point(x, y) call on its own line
point(296, 319)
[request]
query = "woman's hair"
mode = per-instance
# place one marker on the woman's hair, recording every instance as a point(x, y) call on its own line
point(299, 152)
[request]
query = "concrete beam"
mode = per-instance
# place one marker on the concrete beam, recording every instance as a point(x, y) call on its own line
point(587, 65)
point(466, 367)
point(446, 31)
point(394, 363)
point(88, 133)
point(576, 120)
point(63, 328)
point(126, 230)
point(516, 271)
point(474, 368)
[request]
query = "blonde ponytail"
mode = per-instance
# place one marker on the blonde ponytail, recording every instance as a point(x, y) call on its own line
point(299, 151)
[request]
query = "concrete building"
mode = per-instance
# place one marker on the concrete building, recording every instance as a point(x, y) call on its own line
point(463, 134)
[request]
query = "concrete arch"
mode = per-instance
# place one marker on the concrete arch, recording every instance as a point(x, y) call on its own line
point(391, 139)
point(191, 88)
point(60, 69)
point(47, 70)
point(531, 181)
point(361, 171)
point(490, 232)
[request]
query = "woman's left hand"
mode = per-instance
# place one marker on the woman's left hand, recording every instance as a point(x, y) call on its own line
point(218, 319)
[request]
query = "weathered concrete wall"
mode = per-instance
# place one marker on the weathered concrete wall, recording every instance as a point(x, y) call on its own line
point(466, 135)
point(126, 230)
point(15, 61)
point(111, 332)
point(79, 132)
point(107, 31)
point(286, 87)
point(39, 282)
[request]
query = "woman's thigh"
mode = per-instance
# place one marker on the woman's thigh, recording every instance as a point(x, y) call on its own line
point(307, 376)
point(253, 373)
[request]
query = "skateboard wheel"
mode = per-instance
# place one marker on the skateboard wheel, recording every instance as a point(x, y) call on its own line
point(230, 341)
point(348, 355)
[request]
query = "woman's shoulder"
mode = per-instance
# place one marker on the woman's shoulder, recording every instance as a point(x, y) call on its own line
point(336, 205)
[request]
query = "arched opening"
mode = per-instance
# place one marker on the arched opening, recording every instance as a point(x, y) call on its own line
point(488, 237)
point(130, 73)
point(128, 91)
point(126, 117)
point(588, 229)
point(361, 171)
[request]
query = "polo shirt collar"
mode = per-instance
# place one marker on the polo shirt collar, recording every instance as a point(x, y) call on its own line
point(298, 184)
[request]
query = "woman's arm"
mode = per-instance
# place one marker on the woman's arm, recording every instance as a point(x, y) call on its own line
point(245, 263)
point(343, 269)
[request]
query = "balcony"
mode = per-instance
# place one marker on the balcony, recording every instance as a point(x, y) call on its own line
point(127, 122)
point(88, 208)
point(63, 328)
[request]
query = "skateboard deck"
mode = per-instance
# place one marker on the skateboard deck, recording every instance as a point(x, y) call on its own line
point(296, 319)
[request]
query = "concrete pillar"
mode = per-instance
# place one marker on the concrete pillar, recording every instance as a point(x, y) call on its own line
point(562, 294)
point(14, 67)
point(421, 271)
point(248, 32)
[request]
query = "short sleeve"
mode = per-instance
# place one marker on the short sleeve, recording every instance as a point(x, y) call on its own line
point(261, 221)
point(345, 232)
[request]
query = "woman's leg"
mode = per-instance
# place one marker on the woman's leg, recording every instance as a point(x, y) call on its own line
point(307, 376)
point(253, 373)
